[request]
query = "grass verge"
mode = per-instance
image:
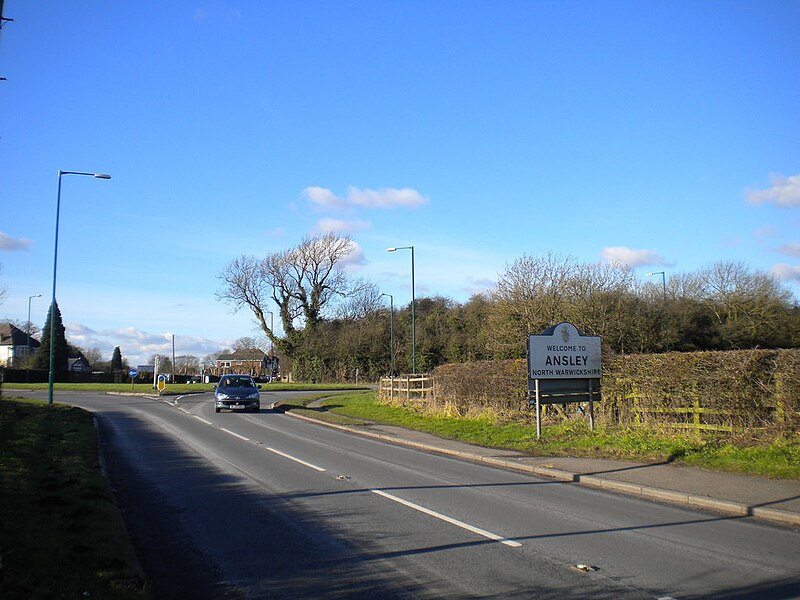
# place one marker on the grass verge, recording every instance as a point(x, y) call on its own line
point(780, 459)
point(61, 534)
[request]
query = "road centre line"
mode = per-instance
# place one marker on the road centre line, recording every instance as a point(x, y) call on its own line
point(452, 521)
point(202, 420)
point(297, 460)
point(241, 437)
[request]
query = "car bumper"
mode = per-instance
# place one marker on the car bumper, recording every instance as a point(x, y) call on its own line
point(238, 404)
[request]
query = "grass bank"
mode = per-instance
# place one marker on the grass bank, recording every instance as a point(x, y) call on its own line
point(780, 459)
point(61, 535)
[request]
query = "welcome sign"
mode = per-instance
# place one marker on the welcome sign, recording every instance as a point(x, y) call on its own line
point(563, 352)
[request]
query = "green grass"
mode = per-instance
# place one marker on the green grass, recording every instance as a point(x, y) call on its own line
point(781, 459)
point(61, 534)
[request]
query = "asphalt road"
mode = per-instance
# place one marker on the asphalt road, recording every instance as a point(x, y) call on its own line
point(266, 505)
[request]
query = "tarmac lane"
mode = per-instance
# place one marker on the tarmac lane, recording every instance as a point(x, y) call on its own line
point(266, 505)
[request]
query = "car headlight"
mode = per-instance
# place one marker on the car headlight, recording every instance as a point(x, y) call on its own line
point(253, 396)
point(222, 396)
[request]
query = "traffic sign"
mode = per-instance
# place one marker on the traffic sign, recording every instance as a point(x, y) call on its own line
point(133, 373)
point(162, 382)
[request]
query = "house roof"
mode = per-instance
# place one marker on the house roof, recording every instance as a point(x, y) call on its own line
point(244, 354)
point(11, 335)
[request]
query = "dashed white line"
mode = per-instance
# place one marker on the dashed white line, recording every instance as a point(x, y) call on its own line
point(452, 521)
point(202, 420)
point(234, 434)
point(297, 460)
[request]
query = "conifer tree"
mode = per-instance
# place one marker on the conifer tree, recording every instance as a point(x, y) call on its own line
point(42, 360)
point(116, 360)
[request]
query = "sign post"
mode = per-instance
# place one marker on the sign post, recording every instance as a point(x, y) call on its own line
point(564, 365)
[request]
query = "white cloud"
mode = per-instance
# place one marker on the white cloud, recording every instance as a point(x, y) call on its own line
point(622, 255)
point(9, 243)
point(385, 197)
point(388, 198)
point(355, 258)
point(323, 197)
point(340, 226)
point(786, 272)
point(784, 191)
point(138, 346)
point(790, 249)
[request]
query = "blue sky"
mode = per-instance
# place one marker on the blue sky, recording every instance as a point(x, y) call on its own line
point(662, 134)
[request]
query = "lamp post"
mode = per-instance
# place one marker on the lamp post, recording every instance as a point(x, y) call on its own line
point(55, 265)
point(28, 328)
point(413, 323)
point(391, 333)
point(664, 289)
point(271, 345)
point(663, 282)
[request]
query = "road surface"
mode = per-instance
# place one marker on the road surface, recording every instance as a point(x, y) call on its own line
point(267, 505)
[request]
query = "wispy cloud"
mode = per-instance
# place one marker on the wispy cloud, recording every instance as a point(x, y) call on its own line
point(622, 255)
point(790, 249)
point(786, 272)
point(386, 198)
point(784, 191)
point(9, 244)
point(340, 226)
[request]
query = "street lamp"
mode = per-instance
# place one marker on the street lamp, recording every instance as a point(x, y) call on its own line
point(413, 323)
point(28, 328)
point(391, 333)
point(271, 345)
point(664, 289)
point(663, 281)
point(55, 265)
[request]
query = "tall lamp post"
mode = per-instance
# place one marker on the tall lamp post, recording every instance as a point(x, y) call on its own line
point(391, 333)
point(413, 323)
point(28, 328)
point(664, 289)
point(55, 265)
point(271, 346)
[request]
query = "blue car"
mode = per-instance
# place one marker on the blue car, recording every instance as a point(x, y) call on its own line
point(237, 392)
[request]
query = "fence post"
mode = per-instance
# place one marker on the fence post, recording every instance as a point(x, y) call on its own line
point(696, 415)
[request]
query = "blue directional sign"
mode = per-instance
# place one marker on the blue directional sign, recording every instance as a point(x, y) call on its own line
point(133, 373)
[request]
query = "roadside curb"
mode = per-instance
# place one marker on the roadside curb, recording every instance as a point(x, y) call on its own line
point(728, 507)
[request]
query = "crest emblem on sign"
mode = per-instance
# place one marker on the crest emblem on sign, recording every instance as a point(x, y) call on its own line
point(565, 334)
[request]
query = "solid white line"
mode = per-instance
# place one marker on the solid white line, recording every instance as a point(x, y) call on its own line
point(297, 460)
point(241, 437)
point(203, 420)
point(456, 522)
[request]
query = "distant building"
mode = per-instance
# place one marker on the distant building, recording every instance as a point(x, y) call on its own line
point(247, 361)
point(14, 346)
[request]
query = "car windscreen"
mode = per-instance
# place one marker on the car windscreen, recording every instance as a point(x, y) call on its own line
point(237, 382)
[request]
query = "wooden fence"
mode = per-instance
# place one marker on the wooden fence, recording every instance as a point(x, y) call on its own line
point(407, 388)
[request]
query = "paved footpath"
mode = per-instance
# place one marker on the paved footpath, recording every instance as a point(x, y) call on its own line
point(775, 500)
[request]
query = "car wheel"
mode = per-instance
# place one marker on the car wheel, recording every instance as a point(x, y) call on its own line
point(216, 409)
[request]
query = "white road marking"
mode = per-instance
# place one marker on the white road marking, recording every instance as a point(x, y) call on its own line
point(241, 437)
point(203, 420)
point(456, 522)
point(297, 460)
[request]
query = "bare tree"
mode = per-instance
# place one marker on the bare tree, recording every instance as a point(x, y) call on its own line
point(245, 343)
point(302, 281)
point(3, 289)
point(365, 301)
point(187, 364)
